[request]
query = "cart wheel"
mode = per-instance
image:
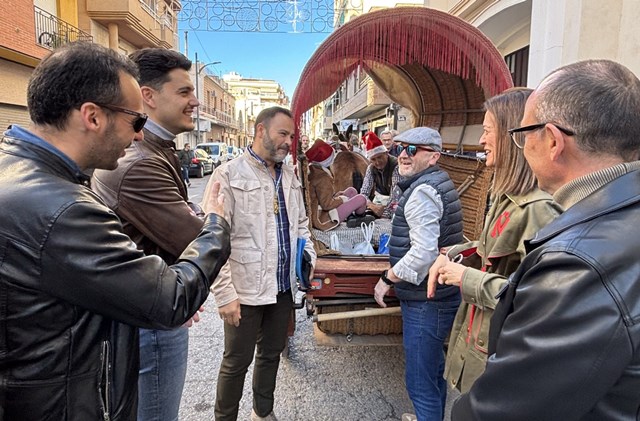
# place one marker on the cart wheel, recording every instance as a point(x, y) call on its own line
point(311, 308)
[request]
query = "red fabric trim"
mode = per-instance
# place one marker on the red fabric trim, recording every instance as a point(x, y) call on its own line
point(469, 252)
point(395, 37)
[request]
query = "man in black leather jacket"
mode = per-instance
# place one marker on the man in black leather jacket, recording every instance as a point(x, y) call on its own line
point(74, 288)
point(565, 337)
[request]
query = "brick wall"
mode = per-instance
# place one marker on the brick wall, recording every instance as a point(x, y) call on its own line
point(17, 28)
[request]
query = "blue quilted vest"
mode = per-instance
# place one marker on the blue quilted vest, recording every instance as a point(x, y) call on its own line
point(450, 230)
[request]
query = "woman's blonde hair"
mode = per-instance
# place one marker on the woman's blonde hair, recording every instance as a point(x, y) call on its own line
point(512, 172)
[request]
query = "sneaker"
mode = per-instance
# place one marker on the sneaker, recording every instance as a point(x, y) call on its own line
point(270, 417)
point(356, 221)
point(409, 417)
point(189, 184)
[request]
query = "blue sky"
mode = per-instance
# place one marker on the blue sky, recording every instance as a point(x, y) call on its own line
point(262, 55)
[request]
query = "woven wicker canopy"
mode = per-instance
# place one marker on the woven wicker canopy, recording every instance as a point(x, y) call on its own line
point(436, 65)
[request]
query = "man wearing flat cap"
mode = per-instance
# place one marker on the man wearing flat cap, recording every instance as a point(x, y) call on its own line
point(427, 218)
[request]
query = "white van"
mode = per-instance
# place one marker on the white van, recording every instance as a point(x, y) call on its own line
point(216, 150)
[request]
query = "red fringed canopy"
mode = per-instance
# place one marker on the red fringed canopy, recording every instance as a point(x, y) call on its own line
point(431, 62)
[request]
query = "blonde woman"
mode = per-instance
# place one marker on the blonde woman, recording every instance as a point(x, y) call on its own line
point(518, 210)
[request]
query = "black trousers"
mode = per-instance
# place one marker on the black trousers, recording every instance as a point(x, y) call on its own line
point(263, 330)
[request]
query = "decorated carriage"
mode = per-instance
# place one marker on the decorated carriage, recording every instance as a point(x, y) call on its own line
point(441, 69)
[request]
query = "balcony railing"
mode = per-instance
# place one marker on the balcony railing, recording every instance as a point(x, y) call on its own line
point(52, 32)
point(220, 117)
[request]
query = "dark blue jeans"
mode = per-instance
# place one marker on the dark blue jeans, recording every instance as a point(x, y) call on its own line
point(163, 368)
point(425, 326)
point(185, 173)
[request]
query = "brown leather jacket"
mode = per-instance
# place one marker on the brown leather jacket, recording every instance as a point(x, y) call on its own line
point(147, 192)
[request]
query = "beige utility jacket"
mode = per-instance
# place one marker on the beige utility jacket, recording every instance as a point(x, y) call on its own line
point(250, 273)
point(511, 220)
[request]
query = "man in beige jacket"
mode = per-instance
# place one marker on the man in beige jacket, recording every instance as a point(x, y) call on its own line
point(255, 289)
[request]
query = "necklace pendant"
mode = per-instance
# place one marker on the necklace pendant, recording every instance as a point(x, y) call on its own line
point(276, 208)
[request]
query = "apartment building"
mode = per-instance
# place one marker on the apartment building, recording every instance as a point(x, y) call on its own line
point(534, 37)
point(252, 96)
point(30, 29)
point(215, 119)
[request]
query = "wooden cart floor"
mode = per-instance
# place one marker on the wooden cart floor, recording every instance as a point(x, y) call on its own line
point(339, 339)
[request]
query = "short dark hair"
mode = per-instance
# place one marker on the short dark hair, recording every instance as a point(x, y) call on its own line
point(268, 113)
point(597, 99)
point(154, 65)
point(71, 75)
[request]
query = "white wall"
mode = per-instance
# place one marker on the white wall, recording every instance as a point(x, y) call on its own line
point(566, 31)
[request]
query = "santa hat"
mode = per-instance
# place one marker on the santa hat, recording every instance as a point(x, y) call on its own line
point(320, 153)
point(373, 145)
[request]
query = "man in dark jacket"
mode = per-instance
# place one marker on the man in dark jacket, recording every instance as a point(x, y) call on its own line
point(185, 156)
point(147, 192)
point(428, 217)
point(75, 288)
point(564, 339)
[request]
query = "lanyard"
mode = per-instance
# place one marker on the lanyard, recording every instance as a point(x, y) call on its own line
point(276, 205)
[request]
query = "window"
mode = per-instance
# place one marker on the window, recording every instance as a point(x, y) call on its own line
point(518, 63)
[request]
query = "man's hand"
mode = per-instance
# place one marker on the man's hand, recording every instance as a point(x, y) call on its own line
point(214, 199)
point(376, 209)
point(434, 272)
point(230, 313)
point(194, 319)
point(380, 291)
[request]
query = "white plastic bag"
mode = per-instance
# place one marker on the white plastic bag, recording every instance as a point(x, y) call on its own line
point(340, 246)
point(365, 247)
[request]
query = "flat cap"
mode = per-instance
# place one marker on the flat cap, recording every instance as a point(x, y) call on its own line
point(424, 136)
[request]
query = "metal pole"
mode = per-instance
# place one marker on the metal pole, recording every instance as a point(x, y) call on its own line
point(186, 43)
point(396, 108)
point(198, 98)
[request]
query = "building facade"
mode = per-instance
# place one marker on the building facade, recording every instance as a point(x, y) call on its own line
point(252, 96)
point(30, 29)
point(534, 36)
point(215, 119)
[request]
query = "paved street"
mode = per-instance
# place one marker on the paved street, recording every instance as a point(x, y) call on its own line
point(315, 382)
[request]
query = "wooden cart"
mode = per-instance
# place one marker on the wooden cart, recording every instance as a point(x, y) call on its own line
point(440, 68)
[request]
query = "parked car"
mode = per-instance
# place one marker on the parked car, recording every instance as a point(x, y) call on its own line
point(233, 152)
point(201, 164)
point(216, 150)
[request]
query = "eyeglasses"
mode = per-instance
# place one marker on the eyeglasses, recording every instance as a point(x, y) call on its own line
point(518, 137)
point(411, 150)
point(137, 124)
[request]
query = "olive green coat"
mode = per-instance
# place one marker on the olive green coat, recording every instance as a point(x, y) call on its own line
point(498, 253)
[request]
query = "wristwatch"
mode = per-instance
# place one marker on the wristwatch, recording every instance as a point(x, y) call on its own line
point(385, 279)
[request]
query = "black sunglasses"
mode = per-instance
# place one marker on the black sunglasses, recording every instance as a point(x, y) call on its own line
point(517, 134)
point(137, 124)
point(411, 149)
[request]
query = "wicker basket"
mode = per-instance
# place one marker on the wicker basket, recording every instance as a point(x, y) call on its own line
point(474, 174)
point(375, 325)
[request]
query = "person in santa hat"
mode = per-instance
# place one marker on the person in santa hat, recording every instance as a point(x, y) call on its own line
point(329, 208)
point(381, 177)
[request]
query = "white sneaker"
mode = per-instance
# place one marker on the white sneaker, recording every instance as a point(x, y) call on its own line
point(409, 417)
point(270, 417)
